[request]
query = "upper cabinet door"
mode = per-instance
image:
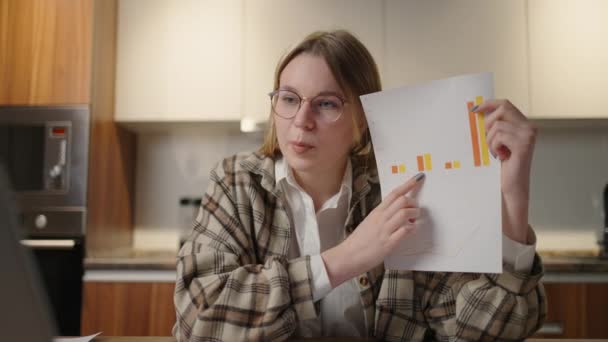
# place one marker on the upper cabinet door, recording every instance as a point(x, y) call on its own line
point(45, 52)
point(428, 40)
point(272, 27)
point(568, 58)
point(179, 60)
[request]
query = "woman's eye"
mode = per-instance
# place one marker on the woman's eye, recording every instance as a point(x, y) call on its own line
point(328, 104)
point(289, 99)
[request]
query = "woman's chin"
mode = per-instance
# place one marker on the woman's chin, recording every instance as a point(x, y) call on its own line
point(301, 162)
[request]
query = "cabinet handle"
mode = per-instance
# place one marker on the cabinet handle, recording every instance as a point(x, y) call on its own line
point(49, 244)
point(551, 328)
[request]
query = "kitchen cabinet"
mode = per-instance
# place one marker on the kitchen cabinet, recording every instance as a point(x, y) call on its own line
point(59, 52)
point(568, 58)
point(214, 60)
point(128, 308)
point(576, 310)
point(427, 40)
point(45, 52)
point(179, 60)
point(271, 27)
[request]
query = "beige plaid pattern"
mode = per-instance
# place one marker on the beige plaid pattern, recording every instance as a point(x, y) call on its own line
point(235, 282)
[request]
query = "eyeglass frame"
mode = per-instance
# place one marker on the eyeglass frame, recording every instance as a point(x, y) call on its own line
point(302, 99)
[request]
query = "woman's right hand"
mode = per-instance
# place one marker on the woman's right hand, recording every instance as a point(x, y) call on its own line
point(376, 237)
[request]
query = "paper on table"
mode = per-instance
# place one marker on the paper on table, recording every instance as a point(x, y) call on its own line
point(428, 127)
point(76, 339)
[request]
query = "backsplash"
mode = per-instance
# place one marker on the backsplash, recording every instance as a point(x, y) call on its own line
point(173, 164)
point(569, 171)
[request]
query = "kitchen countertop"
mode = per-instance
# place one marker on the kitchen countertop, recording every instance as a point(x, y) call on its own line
point(584, 261)
point(334, 339)
point(133, 260)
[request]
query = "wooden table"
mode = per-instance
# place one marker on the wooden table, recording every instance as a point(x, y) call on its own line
point(337, 339)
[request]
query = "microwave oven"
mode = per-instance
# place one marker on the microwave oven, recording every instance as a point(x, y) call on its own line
point(45, 153)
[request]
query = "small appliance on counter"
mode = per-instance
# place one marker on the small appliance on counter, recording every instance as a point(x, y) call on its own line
point(188, 210)
point(45, 152)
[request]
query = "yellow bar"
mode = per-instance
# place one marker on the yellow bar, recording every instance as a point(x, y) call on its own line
point(401, 168)
point(456, 164)
point(485, 155)
point(428, 165)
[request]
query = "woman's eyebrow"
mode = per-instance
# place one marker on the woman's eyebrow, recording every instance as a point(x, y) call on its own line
point(325, 92)
point(286, 87)
point(329, 92)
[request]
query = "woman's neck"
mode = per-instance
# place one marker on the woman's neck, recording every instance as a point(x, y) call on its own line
point(321, 185)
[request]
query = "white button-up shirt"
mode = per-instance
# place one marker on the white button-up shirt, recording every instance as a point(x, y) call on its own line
point(341, 310)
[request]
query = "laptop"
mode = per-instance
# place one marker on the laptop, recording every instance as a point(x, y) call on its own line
point(26, 315)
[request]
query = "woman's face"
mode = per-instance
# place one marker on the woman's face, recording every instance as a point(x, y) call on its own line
point(308, 143)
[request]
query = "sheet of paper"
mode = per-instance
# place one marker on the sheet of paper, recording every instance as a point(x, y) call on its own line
point(76, 339)
point(429, 128)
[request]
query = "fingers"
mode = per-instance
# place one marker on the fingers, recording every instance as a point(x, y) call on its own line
point(400, 203)
point(507, 128)
point(399, 235)
point(500, 139)
point(403, 217)
point(498, 110)
point(401, 190)
point(506, 137)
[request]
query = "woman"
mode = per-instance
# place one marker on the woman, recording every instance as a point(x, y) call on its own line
point(290, 240)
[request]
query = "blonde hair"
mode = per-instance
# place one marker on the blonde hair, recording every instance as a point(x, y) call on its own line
point(354, 69)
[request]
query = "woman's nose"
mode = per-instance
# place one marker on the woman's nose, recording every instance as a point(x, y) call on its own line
point(305, 116)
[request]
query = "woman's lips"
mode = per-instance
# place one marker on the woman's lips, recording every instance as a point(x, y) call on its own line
point(300, 147)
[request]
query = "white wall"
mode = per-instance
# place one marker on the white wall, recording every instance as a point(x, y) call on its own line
point(569, 172)
point(174, 164)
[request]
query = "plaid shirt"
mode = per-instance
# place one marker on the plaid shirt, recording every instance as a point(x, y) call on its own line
point(236, 283)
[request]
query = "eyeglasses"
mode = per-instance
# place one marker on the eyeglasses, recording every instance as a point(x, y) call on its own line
point(286, 104)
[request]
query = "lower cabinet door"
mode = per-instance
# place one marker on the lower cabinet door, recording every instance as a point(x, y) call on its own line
point(128, 309)
point(576, 310)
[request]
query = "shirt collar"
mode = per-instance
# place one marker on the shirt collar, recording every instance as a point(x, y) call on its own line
point(282, 171)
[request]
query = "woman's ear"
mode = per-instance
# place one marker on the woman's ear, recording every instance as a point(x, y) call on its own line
point(362, 123)
point(362, 131)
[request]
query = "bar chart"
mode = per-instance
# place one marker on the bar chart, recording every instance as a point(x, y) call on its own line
point(479, 145)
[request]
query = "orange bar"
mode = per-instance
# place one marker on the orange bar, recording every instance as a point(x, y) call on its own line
point(420, 163)
point(474, 136)
point(448, 165)
point(394, 169)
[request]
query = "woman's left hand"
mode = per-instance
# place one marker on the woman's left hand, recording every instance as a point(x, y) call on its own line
point(511, 138)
